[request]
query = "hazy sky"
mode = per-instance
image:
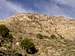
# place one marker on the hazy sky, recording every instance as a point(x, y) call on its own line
point(49, 7)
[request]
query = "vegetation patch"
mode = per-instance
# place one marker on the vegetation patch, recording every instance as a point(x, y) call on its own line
point(5, 36)
point(53, 36)
point(10, 53)
point(4, 31)
point(29, 46)
point(18, 54)
point(40, 36)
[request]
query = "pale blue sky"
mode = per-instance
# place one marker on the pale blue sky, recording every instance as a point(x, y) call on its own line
point(49, 7)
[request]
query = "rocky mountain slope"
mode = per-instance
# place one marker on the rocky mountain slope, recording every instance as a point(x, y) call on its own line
point(51, 35)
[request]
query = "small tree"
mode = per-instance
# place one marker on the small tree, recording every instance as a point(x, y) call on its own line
point(28, 45)
point(5, 36)
point(4, 31)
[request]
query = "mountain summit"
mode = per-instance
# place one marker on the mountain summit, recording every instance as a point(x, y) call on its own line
point(51, 35)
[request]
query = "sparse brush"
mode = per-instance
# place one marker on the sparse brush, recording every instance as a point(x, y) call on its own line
point(4, 31)
point(6, 38)
point(40, 36)
point(26, 43)
point(29, 46)
point(53, 36)
point(18, 54)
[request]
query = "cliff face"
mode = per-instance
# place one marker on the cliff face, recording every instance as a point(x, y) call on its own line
point(57, 33)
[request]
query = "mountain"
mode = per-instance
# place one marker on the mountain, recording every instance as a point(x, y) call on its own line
point(51, 35)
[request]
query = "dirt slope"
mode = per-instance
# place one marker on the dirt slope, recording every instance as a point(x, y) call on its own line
point(58, 33)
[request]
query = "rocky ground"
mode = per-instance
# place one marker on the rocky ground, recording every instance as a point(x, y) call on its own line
point(51, 35)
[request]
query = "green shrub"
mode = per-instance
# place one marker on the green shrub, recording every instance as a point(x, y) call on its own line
point(4, 31)
point(18, 54)
point(31, 50)
point(40, 36)
point(28, 45)
point(5, 36)
point(9, 38)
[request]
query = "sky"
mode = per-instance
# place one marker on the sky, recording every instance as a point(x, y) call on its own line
point(49, 7)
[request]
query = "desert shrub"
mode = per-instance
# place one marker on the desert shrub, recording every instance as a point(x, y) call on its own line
point(61, 37)
point(18, 54)
point(10, 52)
point(2, 53)
point(4, 31)
point(31, 50)
point(5, 38)
point(53, 36)
point(40, 36)
point(9, 38)
point(28, 45)
point(6, 53)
